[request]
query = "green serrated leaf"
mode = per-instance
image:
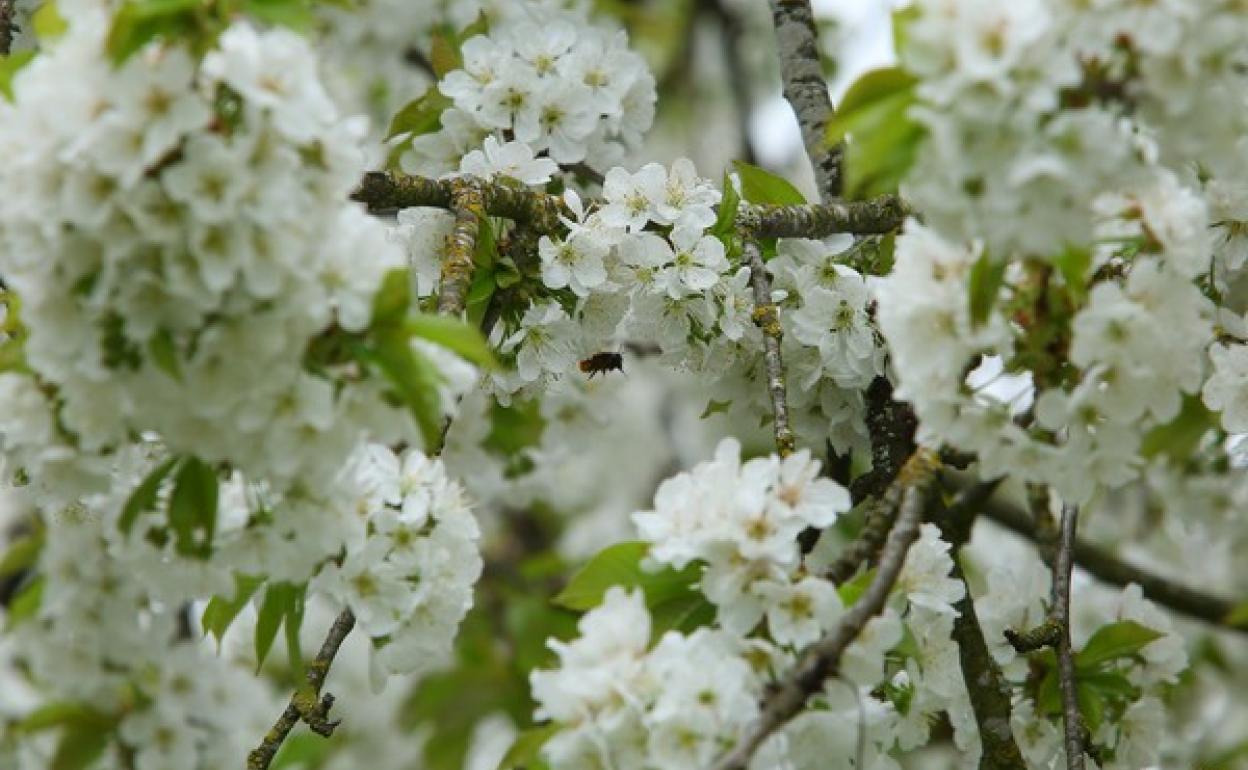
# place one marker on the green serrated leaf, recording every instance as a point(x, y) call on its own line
point(987, 276)
point(193, 508)
point(165, 354)
point(47, 22)
point(1075, 263)
point(726, 219)
point(1114, 641)
point(60, 714)
point(761, 186)
point(852, 590)
point(22, 554)
point(453, 334)
point(25, 603)
point(139, 22)
point(422, 115)
point(10, 65)
point(515, 428)
point(444, 56)
point(884, 139)
point(143, 498)
point(526, 749)
point(620, 565)
point(279, 602)
point(414, 378)
point(715, 407)
point(81, 746)
point(221, 612)
point(392, 300)
point(295, 14)
point(1181, 436)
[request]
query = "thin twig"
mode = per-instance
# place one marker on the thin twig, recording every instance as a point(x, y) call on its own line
point(1076, 731)
point(468, 206)
point(821, 660)
point(1105, 566)
point(7, 28)
point(806, 90)
point(768, 319)
point(315, 712)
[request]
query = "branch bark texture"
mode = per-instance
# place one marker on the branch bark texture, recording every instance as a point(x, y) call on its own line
point(768, 319)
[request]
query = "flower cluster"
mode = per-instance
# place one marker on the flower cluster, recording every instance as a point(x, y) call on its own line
point(1067, 237)
point(548, 79)
point(632, 706)
point(179, 237)
point(408, 575)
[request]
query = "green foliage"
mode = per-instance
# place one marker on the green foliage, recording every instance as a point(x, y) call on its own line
point(422, 115)
point(852, 590)
point(22, 553)
point(139, 22)
point(86, 732)
point(193, 508)
point(525, 751)
point(1102, 688)
point(883, 139)
point(10, 65)
point(761, 186)
point(25, 603)
point(164, 354)
point(392, 300)
point(671, 596)
point(487, 274)
point(296, 14)
point(455, 335)
point(412, 376)
point(1180, 437)
point(1074, 264)
point(1236, 618)
point(987, 276)
point(282, 605)
point(47, 21)
point(143, 498)
point(513, 429)
point(220, 612)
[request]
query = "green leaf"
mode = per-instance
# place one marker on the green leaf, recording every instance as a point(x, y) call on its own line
point(884, 139)
point(715, 407)
point(280, 600)
point(138, 22)
point(62, 714)
point(22, 554)
point(1109, 685)
point(1123, 639)
point(296, 14)
point(1236, 618)
point(1049, 694)
point(455, 335)
point(726, 219)
point(302, 750)
point(761, 186)
point(1091, 706)
point(1074, 263)
point(684, 612)
point(392, 300)
point(1181, 436)
point(292, 624)
point(81, 746)
point(25, 603)
point(620, 565)
point(526, 749)
point(220, 612)
point(852, 590)
point(165, 354)
point(9, 67)
point(193, 508)
point(47, 22)
point(143, 498)
point(444, 56)
point(987, 275)
point(414, 378)
point(422, 115)
point(902, 19)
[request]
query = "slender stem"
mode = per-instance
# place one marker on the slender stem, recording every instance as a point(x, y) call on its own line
point(797, 45)
point(1105, 566)
point(1076, 732)
point(768, 319)
point(301, 705)
point(6, 26)
point(820, 660)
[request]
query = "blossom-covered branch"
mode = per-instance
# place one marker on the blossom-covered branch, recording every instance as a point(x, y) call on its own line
point(1063, 562)
point(821, 659)
point(768, 319)
point(389, 191)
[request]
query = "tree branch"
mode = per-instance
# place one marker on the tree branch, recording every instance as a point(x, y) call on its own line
point(821, 659)
point(7, 28)
point(985, 684)
point(468, 205)
point(385, 192)
point(768, 319)
point(805, 89)
point(304, 704)
point(1076, 731)
point(1105, 566)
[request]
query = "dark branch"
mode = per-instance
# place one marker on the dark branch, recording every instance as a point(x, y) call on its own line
point(305, 704)
point(1076, 731)
point(768, 319)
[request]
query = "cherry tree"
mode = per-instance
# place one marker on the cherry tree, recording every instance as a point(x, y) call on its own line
point(384, 385)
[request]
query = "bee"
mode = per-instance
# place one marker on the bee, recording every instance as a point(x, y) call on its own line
point(601, 363)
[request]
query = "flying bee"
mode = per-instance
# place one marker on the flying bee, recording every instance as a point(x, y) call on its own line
point(601, 363)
